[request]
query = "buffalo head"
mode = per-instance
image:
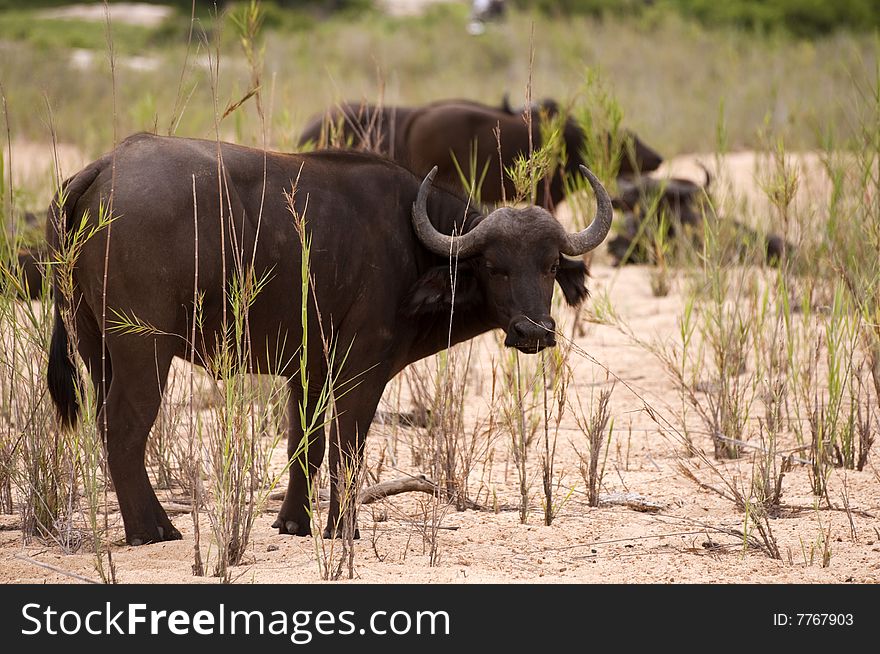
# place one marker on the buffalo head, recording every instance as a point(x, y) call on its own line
point(638, 156)
point(507, 266)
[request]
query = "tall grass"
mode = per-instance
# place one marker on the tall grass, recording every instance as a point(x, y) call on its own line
point(448, 449)
point(594, 427)
point(83, 446)
point(556, 378)
point(854, 235)
point(790, 339)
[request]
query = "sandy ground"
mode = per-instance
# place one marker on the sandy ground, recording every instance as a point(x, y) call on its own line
point(742, 180)
point(411, 7)
point(33, 163)
point(692, 535)
point(132, 13)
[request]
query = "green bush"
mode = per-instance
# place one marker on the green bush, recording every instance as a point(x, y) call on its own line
point(586, 7)
point(800, 17)
point(185, 6)
point(805, 18)
point(6, 5)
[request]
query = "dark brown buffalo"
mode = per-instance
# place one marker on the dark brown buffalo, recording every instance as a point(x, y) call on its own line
point(367, 127)
point(451, 133)
point(685, 205)
point(31, 263)
point(446, 133)
point(380, 243)
point(358, 126)
point(24, 274)
point(546, 105)
point(24, 271)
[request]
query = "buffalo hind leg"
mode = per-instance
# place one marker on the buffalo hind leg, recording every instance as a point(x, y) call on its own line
point(140, 371)
point(294, 517)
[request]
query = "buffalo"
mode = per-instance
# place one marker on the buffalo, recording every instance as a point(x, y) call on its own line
point(23, 272)
point(685, 205)
point(371, 127)
point(360, 126)
point(449, 133)
point(30, 272)
point(454, 133)
point(187, 214)
point(548, 106)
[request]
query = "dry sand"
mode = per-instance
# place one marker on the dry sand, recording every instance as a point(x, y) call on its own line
point(131, 13)
point(411, 7)
point(32, 164)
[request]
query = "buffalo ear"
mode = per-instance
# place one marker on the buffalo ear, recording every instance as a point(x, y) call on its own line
point(432, 293)
point(620, 204)
point(571, 277)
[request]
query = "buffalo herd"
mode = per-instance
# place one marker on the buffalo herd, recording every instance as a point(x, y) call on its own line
point(402, 264)
point(679, 208)
point(451, 133)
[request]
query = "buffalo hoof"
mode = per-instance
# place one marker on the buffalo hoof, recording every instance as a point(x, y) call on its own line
point(293, 527)
point(161, 534)
point(338, 534)
point(172, 534)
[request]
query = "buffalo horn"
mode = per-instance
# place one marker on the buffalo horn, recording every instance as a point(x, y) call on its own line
point(708, 176)
point(442, 244)
point(592, 236)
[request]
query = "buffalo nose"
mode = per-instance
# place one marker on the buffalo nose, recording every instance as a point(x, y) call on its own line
point(528, 330)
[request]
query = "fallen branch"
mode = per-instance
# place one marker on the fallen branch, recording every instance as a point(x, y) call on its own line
point(391, 487)
point(422, 524)
point(53, 568)
point(744, 444)
point(381, 490)
point(176, 508)
point(418, 418)
point(632, 501)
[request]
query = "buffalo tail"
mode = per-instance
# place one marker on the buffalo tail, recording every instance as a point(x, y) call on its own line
point(62, 375)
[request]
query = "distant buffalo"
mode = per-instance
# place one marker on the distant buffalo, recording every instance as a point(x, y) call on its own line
point(368, 127)
point(24, 274)
point(357, 126)
point(27, 266)
point(382, 243)
point(685, 204)
point(450, 133)
point(546, 105)
point(31, 262)
point(457, 130)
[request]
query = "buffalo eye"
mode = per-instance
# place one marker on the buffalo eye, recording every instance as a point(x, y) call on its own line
point(495, 272)
point(554, 268)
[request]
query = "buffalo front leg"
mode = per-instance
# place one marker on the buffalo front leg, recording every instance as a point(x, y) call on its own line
point(305, 452)
point(133, 400)
point(348, 434)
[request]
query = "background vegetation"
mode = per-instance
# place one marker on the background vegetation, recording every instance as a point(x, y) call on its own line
point(799, 17)
point(670, 74)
